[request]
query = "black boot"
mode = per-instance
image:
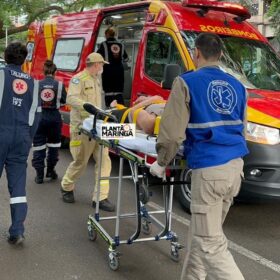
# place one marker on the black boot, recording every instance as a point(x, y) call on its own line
point(67, 196)
point(39, 179)
point(51, 173)
point(16, 240)
point(105, 205)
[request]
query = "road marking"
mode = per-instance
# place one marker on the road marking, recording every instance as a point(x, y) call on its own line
point(233, 246)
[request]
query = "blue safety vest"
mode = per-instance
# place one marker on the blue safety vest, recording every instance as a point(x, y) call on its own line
point(214, 134)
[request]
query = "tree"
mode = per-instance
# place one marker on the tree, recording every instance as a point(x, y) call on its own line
point(29, 10)
point(41, 9)
point(274, 14)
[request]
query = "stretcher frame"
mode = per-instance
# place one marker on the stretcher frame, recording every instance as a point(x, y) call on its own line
point(144, 218)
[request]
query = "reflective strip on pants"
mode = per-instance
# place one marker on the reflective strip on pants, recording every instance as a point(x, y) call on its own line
point(75, 143)
point(39, 148)
point(19, 199)
point(53, 145)
point(104, 183)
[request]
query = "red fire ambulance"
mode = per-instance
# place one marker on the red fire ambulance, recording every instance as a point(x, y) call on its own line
point(157, 34)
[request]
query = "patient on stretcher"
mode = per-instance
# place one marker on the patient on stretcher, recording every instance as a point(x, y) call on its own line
point(145, 112)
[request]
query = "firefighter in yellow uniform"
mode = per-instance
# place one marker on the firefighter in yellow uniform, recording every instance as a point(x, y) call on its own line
point(85, 87)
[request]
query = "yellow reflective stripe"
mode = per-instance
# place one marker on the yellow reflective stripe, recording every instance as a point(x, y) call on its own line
point(75, 143)
point(104, 183)
point(125, 115)
point(48, 38)
point(257, 116)
point(84, 114)
point(159, 102)
point(84, 76)
point(136, 113)
point(49, 34)
point(157, 123)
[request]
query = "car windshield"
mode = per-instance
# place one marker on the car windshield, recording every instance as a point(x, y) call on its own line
point(252, 62)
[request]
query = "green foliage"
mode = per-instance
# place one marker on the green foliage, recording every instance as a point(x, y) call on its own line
point(30, 10)
point(21, 36)
point(274, 14)
point(113, 2)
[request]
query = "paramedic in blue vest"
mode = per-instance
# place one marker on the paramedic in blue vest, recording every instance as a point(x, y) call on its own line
point(19, 115)
point(113, 73)
point(209, 108)
point(48, 135)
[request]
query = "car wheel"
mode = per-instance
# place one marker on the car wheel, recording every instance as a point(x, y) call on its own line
point(184, 190)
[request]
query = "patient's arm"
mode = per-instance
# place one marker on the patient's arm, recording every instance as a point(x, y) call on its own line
point(146, 122)
point(145, 102)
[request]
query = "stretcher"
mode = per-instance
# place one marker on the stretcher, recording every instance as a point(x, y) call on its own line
point(145, 218)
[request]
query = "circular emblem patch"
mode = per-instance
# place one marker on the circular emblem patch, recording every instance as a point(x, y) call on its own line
point(19, 86)
point(221, 97)
point(47, 94)
point(75, 81)
point(115, 49)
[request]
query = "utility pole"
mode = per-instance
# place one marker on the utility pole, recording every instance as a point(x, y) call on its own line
point(6, 27)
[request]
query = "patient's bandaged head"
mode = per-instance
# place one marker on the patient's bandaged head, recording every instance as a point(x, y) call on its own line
point(156, 109)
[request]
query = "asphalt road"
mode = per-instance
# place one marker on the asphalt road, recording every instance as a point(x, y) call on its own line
point(57, 246)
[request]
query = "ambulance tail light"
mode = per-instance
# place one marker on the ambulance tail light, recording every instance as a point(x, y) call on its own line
point(204, 6)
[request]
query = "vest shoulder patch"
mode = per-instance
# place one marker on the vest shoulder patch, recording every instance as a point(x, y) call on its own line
point(75, 81)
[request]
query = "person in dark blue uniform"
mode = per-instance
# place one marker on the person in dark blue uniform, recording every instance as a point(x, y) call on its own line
point(48, 135)
point(19, 115)
point(113, 73)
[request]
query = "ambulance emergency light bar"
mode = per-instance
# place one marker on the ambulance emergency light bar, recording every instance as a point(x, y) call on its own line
point(204, 6)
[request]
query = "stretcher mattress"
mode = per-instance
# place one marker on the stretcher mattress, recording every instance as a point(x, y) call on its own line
point(142, 143)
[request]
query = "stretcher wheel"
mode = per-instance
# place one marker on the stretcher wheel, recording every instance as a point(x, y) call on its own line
point(175, 254)
point(92, 234)
point(146, 227)
point(144, 194)
point(113, 260)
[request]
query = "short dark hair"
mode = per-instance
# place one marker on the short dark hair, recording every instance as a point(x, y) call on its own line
point(15, 53)
point(210, 45)
point(110, 32)
point(49, 67)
